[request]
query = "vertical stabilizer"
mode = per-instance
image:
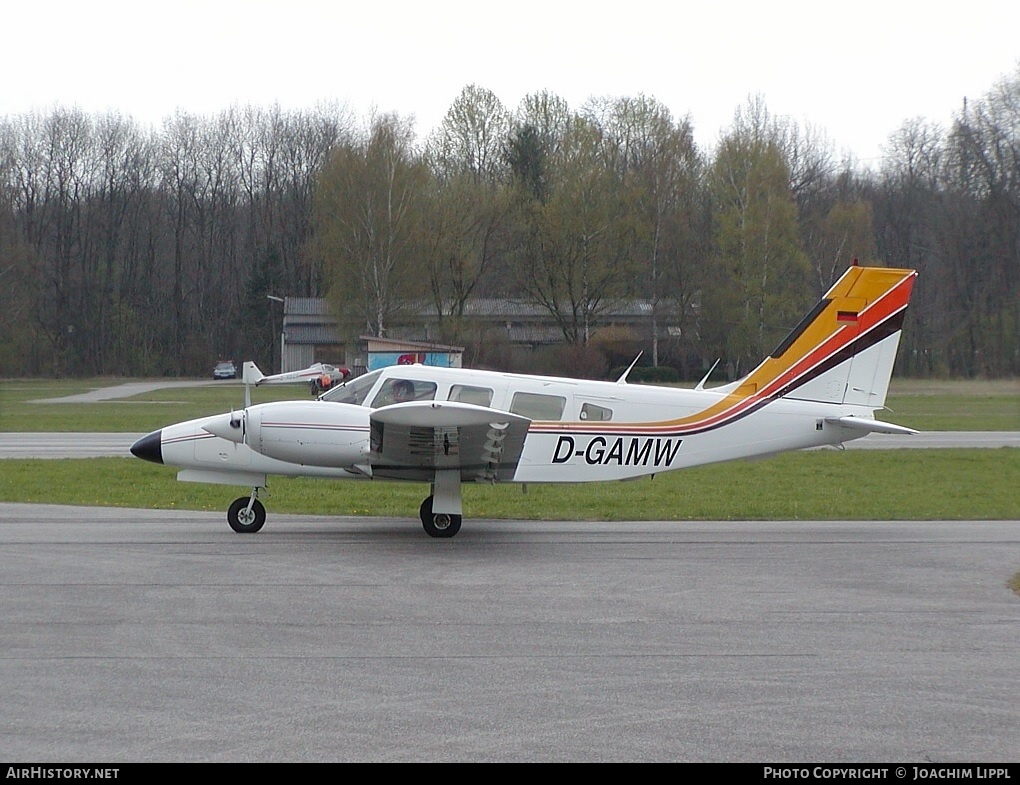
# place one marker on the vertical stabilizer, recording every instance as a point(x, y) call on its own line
point(844, 349)
point(251, 374)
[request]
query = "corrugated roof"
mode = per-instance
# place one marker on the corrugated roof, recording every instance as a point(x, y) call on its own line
point(498, 308)
point(305, 306)
point(483, 307)
point(399, 343)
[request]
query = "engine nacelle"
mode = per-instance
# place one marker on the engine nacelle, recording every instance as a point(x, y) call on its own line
point(309, 433)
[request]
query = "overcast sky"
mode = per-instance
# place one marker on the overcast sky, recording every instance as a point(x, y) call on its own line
point(854, 71)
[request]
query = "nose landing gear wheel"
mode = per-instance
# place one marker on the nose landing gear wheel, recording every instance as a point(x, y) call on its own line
point(438, 524)
point(244, 521)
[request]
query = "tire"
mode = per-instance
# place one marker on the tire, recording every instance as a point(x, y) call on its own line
point(243, 522)
point(438, 525)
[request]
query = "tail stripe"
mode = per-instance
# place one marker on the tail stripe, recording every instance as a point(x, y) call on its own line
point(875, 335)
point(797, 331)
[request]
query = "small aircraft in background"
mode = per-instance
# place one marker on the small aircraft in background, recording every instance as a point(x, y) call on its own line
point(319, 376)
point(446, 426)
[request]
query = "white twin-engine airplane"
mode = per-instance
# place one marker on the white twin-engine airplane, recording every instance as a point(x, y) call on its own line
point(447, 426)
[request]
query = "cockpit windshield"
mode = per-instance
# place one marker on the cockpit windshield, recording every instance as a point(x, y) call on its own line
point(354, 391)
point(403, 390)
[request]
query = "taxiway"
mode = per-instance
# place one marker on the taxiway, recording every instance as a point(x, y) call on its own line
point(152, 635)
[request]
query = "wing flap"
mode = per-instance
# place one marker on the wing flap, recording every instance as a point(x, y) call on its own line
point(412, 441)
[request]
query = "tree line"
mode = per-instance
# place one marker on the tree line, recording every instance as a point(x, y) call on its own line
point(135, 250)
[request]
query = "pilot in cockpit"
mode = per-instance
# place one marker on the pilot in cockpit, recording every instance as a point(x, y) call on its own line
point(403, 390)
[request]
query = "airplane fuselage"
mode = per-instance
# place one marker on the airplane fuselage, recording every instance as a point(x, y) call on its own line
point(644, 430)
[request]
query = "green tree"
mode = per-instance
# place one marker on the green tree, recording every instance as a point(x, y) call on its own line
point(369, 216)
point(471, 137)
point(550, 118)
point(527, 161)
point(576, 253)
point(466, 205)
point(761, 279)
point(659, 171)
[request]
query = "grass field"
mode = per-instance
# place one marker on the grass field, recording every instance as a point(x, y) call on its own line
point(955, 405)
point(817, 485)
point(19, 411)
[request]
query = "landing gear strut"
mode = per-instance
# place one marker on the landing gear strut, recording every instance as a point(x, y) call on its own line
point(438, 524)
point(247, 514)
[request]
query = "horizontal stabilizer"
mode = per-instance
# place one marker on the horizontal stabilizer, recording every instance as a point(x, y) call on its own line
point(869, 426)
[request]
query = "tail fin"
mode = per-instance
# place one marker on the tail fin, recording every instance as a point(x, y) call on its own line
point(251, 374)
point(844, 349)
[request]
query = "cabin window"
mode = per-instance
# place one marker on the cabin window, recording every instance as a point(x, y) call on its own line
point(535, 406)
point(479, 396)
point(354, 391)
point(590, 411)
point(404, 390)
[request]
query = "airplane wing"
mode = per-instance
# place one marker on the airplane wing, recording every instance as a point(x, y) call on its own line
point(412, 441)
point(293, 377)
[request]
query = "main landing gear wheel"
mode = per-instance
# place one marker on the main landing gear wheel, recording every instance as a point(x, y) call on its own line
point(243, 520)
point(438, 524)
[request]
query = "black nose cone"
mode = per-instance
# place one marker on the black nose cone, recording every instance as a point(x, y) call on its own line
point(149, 448)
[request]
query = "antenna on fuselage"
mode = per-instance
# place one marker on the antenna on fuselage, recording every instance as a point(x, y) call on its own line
point(623, 377)
point(701, 385)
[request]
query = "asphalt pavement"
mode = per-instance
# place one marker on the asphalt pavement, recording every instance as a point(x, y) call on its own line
point(154, 635)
